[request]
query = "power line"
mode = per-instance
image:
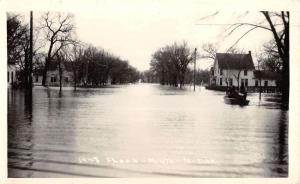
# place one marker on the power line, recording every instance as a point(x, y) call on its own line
point(213, 24)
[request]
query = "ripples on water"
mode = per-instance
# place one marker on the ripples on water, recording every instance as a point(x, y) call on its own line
point(144, 131)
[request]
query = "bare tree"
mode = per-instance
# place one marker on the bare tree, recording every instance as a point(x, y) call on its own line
point(18, 47)
point(181, 56)
point(269, 57)
point(278, 24)
point(59, 30)
point(210, 50)
point(60, 59)
point(16, 33)
point(170, 63)
point(74, 55)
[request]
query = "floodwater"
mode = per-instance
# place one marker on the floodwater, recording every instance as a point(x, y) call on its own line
point(144, 130)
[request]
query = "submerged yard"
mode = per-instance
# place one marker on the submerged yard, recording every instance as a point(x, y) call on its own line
point(144, 130)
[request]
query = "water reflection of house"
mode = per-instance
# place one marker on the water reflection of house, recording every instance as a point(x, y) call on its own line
point(53, 75)
point(237, 70)
point(11, 74)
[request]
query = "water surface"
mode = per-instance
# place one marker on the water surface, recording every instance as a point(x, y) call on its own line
point(144, 130)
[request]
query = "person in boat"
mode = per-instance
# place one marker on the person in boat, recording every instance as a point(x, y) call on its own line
point(243, 92)
point(232, 93)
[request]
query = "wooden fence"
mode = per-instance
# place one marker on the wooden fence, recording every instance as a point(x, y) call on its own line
point(249, 89)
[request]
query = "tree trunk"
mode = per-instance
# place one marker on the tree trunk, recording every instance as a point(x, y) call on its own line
point(60, 76)
point(163, 77)
point(30, 52)
point(26, 71)
point(45, 71)
point(283, 51)
point(48, 60)
point(260, 89)
point(285, 83)
point(181, 81)
point(75, 80)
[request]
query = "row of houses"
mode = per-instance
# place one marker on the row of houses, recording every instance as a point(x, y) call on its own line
point(52, 75)
point(228, 70)
point(239, 70)
point(52, 78)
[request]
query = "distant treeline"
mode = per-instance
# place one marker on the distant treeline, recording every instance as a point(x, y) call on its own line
point(94, 66)
point(202, 77)
point(55, 42)
point(170, 66)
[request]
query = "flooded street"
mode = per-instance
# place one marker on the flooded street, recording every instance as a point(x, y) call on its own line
point(144, 130)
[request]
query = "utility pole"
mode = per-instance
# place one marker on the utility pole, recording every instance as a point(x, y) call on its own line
point(195, 69)
point(259, 81)
point(30, 52)
point(86, 73)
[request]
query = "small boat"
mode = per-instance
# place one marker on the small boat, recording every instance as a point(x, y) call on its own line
point(236, 100)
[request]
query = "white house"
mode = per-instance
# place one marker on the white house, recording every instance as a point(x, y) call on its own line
point(11, 74)
point(52, 78)
point(266, 78)
point(238, 70)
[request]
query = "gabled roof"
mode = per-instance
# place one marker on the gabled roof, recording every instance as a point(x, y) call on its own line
point(266, 75)
point(235, 61)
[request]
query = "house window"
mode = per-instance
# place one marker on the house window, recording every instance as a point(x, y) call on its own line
point(221, 80)
point(36, 78)
point(66, 79)
point(53, 79)
point(246, 83)
point(245, 72)
point(242, 82)
point(256, 83)
point(230, 81)
point(221, 71)
point(7, 76)
point(266, 84)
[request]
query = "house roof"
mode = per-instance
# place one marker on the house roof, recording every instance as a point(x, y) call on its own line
point(266, 75)
point(235, 61)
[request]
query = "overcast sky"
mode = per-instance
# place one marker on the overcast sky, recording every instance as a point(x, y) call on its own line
point(133, 31)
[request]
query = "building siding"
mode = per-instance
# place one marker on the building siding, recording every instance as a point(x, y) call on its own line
point(11, 74)
point(55, 75)
point(226, 75)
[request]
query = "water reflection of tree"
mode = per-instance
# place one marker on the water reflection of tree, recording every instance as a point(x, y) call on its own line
point(280, 156)
point(20, 133)
point(283, 140)
point(28, 105)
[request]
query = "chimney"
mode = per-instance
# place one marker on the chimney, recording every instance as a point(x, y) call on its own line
point(250, 52)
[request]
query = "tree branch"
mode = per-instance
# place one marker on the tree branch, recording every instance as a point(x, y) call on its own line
point(241, 37)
